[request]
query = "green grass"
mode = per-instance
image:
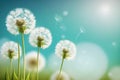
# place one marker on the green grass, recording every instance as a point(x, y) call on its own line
point(43, 75)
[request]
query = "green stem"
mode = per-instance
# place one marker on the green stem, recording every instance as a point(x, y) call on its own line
point(18, 62)
point(37, 62)
point(60, 68)
point(11, 65)
point(32, 76)
point(10, 68)
point(23, 51)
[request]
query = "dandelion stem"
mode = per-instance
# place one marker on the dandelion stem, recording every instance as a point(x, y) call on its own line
point(37, 62)
point(23, 51)
point(60, 68)
point(10, 67)
point(18, 62)
point(32, 76)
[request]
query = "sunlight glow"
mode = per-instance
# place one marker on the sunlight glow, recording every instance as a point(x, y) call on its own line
point(105, 9)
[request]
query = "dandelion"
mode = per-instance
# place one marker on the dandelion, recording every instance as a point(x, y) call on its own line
point(20, 21)
point(65, 49)
point(63, 76)
point(9, 50)
point(40, 38)
point(31, 62)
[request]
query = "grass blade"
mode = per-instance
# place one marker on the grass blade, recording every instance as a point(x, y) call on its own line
point(28, 76)
point(15, 76)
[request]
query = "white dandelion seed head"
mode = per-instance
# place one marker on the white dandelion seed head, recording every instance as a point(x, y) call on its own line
point(63, 76)
point(40, 37)
point(31, 61)
point(25, 18)
point(9, 50)
point(68, 46)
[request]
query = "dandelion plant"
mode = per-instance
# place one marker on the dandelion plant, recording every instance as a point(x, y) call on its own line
point(65, 49)
point(41, 38)
point(20, 21)
point(9, 50)
point(32, 63)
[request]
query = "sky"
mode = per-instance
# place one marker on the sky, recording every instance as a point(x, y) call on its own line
point(88, 22)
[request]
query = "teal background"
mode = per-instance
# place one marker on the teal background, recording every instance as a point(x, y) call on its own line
point(81, 13)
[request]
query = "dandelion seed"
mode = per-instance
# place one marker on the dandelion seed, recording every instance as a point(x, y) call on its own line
point(82, 29)
point(64, 76)
point(114, 43)
point(63, 36)
point(65, 13)
point(58, 18)
point(31, 62)
point(62, 27)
